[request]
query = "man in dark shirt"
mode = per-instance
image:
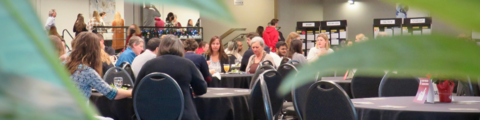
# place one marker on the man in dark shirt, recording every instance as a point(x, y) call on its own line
point(249, 52)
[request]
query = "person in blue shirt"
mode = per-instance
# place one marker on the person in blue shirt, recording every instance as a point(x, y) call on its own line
point(135, 47)
point(191, 46)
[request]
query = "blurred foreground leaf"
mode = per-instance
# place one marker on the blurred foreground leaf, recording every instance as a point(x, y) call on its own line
point(25, 51)
point(461, 13)
point(215, 9)
point(418, 55)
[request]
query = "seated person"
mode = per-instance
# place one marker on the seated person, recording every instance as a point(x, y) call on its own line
point(216, 56)
point(170, 61)
point(190, 46)
point(85, 65)
point(322, 47)
point(281, 51)
point(296, 52)
point(135, 47)
point(258, 56)
point(150, 53)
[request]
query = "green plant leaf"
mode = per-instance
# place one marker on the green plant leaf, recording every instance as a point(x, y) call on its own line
point(461, 13)
point(418, 55)
point(215, 9)
point(26, 51)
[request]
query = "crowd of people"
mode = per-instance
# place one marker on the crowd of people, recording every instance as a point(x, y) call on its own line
point(189, 62)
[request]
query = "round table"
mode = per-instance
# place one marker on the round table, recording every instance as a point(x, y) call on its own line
point(232, 81)
point(345, 84)
point(403, 108)
point(223, 104)
point(216, 104)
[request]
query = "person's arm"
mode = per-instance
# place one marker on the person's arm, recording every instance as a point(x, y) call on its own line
point(199, 86)
point(101, 86)
point(312, 54)
point(250, 60)
point(204, 69)
point(49, 23)
point(274, 40)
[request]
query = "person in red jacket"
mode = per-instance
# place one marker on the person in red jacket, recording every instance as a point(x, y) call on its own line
point(159, 23)
point(270, 35)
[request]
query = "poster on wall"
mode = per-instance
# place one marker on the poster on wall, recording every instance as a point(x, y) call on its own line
point(401, 11)
point(107, 6)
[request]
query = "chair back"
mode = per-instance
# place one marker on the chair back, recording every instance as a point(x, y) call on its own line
point(327, 101)
point(392, 85)
point(266, 62)
point(468, 87)
point(231, 59)
point(284, 70)
point(117, 72)
point(294, 62)
point(257, 100)
point(259, 71)
point(285, 60)
point(158, 96)
point(366, 85)
point(127, 67)
point(299, 95)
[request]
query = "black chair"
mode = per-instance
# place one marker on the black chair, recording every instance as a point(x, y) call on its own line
point(285, 60)
point(158, 96)
point(266, 62)
point(231, 59)
point(327, 101)
point(366, 84)
point(256, 103)
point(294, 62)
point(127, 67)
point(299, 95)
point(468, 87)
point(118, 72)
point(392, 85)
point(258, 72)
point(284, 70)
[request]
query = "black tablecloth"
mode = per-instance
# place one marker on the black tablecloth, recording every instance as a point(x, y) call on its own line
point(232, 81)
point(216, 104)
point(223, 104)
point(403, 108)
point(345, 84)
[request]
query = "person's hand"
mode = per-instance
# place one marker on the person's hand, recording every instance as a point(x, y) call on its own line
point(208, 63)
point(322, 52)
point(212, 71)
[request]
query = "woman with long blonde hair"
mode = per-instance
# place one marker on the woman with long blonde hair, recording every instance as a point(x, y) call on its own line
point(95, 21)
point(118, 33)
point(291, 36)
point(322, 47)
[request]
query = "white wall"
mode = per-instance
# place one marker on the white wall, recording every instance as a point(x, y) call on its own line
point(291, 11)
point(67, 11)
point(252, 14)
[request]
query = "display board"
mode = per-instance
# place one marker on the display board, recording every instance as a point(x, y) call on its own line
point(308, 30)
point(336, 31)
point(391, 26)
point(417, 26)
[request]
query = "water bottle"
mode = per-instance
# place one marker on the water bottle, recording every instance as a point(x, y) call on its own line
point(118, 82)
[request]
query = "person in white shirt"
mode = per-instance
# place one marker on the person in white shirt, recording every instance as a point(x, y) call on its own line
point(322, 47)
point(281, 48)
point(148, 54)
point(51, 19)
